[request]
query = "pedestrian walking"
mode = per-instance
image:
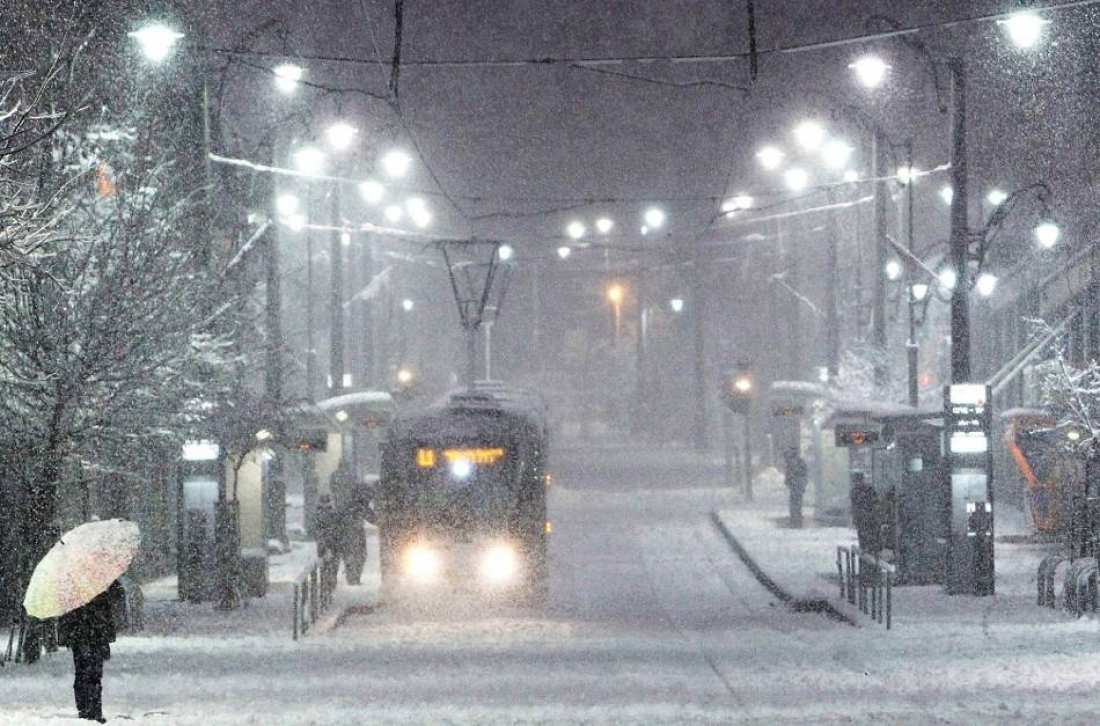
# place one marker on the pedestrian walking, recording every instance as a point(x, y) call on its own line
point(864, 513)
point(795, 475)
point(88, 632)
point(328, 534)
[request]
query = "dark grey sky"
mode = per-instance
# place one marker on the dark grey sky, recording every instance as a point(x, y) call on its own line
point(561, 132)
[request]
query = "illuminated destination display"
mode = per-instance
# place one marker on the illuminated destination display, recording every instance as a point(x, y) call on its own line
point(426, 458)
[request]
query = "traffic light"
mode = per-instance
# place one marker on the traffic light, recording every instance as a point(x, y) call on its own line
point(738, 390)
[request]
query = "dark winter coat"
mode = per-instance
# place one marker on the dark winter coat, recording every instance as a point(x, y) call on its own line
point(92, 626)
point(328, 530)
point(864, 515)
point(796, 475)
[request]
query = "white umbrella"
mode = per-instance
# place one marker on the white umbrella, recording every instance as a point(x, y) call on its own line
point(80, 566)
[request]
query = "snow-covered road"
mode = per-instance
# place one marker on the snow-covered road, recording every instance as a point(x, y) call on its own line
point(650, 619)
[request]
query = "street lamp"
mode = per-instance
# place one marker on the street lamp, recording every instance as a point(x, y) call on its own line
point(835, 154)
point(310, 161)
point(996, 197)
point(919, 290)
point(394, 213)
point(809, 135)
point(615, 295)
point(156, 40)
point(604, 225)
point(372, 191)
point(870, 70)
point(286, 204)
point(1047, 234)
point(564, 251)
point(654, 218)
point(947, 194)
point(287, 76)
point(770, 157)
point(575, 229)
point(948, 278)
point(505, 252)
point(1024, 29)
point(893, 270)
point(796, 179)
point(396, 163)
point(407, 305)
point(677, 304)
point(341, 135)
point(985, 284)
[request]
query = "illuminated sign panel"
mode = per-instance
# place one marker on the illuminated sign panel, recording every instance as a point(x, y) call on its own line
point(427, 458)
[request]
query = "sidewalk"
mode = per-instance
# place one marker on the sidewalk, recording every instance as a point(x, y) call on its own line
point(802, 565)
point(182, 640)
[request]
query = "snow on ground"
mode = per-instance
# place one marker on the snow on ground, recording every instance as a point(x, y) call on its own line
point(651, 619)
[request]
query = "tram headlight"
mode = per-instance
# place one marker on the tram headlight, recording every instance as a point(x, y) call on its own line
point(499, 564)
point(422, 563)
point(462, 468)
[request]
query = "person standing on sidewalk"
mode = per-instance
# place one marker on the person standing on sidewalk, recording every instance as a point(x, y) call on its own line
point(865, 513)
point(89, 631)
point(795, 475)
point(328, 535)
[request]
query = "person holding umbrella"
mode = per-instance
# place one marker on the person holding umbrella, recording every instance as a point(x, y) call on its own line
point(88, 632)
point(77, 581)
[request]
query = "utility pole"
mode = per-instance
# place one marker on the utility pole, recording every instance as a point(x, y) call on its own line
point(336, 297)
point(698, 309)
point(911, 350)
point(832, 320)
point(311, 347)
point(640, 356)
point(878, 312)
point(960, 298)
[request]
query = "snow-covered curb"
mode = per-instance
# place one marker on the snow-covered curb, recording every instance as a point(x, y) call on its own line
point(796, 583)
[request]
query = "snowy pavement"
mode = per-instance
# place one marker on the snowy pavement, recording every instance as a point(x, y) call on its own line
point(651, 619)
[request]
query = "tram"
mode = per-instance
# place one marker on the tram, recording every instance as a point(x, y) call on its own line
point(462, 496)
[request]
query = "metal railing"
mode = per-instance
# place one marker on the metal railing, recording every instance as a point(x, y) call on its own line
point(313, 593)
point(867, 582)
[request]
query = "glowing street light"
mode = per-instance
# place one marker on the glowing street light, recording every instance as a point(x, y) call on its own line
point(948, 278)
point(677, 304)
point(947, 194)
point(1024, 29)
point(575, 229)
point(341, 135)
point(156, 40)
point(654, 218)
point(505, 253)
point(564, 251)
point(310, 161)
point(907, 174)
point(407, 305)
point(996, 197)
point(810, 135)
point(286, 204)
point(615, 294)
point(893, 270)
point(770, 157)
point(836, 154)
point(394, 213)
point(287, 76)
point(604, 225)
point(870, 70)
point(1047, 234)
point(372, 191)
point(985, 284)
point(396, 163)
point(796, 179)
point(919, 290)
point(738, 203)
